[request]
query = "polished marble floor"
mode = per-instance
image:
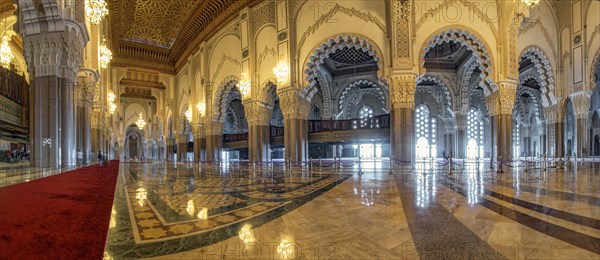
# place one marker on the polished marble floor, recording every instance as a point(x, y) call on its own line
point(188, 211)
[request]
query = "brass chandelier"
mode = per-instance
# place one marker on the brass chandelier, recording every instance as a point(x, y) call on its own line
point(95, 10)
point(6, 55)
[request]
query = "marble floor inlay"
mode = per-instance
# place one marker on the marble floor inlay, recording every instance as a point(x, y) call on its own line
point(188, 211)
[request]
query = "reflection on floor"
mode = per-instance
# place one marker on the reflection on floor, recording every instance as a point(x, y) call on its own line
point(182, 211)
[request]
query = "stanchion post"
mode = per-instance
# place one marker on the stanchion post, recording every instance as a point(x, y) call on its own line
point(450, 164)
point(499, 170)
point(359, 166)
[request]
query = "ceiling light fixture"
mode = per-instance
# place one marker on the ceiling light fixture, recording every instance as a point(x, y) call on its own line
point(105, 55)
point(6, 55)
point(201, 108)
point(95, 10)
point(282, 73)
point(244, 85)
point(140, 122)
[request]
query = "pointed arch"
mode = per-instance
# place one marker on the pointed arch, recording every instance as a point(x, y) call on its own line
point(221, 96)
point(544, 71)
point(473, 42)
point(329, 46)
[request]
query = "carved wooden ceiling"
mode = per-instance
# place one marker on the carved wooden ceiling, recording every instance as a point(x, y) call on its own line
point(160, 35)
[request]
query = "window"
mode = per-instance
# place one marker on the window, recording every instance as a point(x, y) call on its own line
point(425, 130)
point(474, 134)
point(364, 114)
point(516, 141)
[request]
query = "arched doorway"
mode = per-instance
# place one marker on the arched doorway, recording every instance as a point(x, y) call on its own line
point(596, 146)
point(116, 151)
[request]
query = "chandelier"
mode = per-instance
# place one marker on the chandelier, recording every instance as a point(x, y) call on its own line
point(95, 10)
point(530, 3)
point(282, 73)
point(244, 85)
point(201, 107)
point(105, 55)
point(112, 107)
point(188, 114)
point(140, 122)
point(6, 55)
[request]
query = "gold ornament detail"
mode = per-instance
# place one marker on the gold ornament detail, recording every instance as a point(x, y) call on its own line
point(6, 55)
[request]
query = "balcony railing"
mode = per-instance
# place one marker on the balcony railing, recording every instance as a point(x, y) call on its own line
point(377, 122)
point(14, 86)
point(317, 126)
point(228, 138)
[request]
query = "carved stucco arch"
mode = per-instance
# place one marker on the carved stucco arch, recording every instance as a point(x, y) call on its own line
point(524, 90)
point(221, 97)
point(380, 94)
point(475, 43)
point(447, 91)
point(467, 88)
point(544, 70)
point(331, 45)
point(595, 73)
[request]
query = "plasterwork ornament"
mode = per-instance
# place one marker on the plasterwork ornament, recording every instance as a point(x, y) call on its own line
point(213, 127)
point(402, 91)
point(257, 113)
point(581, 103)
point(292, 105)
point(502, 101)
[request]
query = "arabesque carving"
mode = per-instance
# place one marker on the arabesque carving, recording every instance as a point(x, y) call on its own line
point(402, 91)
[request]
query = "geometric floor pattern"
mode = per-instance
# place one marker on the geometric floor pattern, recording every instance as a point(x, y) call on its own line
point(167, 211)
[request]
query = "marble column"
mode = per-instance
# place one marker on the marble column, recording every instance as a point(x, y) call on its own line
point(583, 136)
point(402, 91)
point(170, 148)
point(258, 115)
point(199, 143)
point(295, 113)
point(67, 129)
point(214, 140)
point(461, 136)
point(182, 140)
point(45, 118)
point(87, 134)
point(500, 105)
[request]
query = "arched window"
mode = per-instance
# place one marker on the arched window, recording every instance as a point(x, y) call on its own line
point(315, 113)
point(474, 134)
point(516, 141)
point(364, 114)
point(426, 133)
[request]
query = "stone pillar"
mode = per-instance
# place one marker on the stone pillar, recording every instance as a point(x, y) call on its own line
point(87, 134)
point(45, 118)
point(182, 140)
point(402, 91)
point(581, 106)
point(214, 139)
point(500, 105)
point(461, 136)
point(295, 113)
point(170, 148)
point(258, 115)
point(199, 143)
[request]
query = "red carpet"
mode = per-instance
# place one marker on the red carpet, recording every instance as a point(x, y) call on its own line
point(65, 216)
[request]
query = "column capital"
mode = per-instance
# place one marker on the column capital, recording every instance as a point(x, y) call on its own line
point(581, 103)
point(502, 101)
point(213, 127)
point(402, 90)
point(257, 113)
point(292, 105)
